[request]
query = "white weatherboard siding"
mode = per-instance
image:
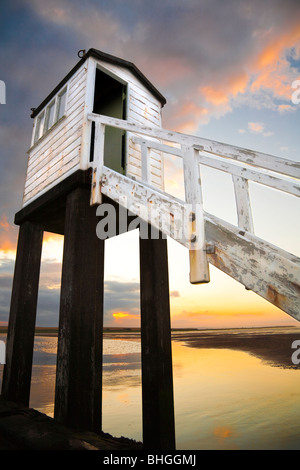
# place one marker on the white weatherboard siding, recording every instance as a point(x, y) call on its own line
point(64, 148)
point(57, 154)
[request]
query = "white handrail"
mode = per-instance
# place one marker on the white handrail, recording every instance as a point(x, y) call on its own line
point(251, 157)
point(235, 250)
point(279, 174)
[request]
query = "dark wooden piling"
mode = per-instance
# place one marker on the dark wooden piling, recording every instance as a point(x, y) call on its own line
point(79, 355)
point(157, 376)
point(20, 336)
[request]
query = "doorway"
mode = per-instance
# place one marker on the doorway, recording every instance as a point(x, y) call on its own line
point(110, 100)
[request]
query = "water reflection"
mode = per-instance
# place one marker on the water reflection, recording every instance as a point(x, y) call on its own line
point(224, 399)
point(230, 400)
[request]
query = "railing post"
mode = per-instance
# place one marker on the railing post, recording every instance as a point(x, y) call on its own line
point(243, 204)
point(146, 164)
point(97, 163)
point(199, 268)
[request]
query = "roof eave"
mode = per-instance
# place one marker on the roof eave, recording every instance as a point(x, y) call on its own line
point(106, 58)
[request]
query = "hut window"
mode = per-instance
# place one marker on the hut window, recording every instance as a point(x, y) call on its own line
point(53, 112)
point(62, 97)
point(39, 127)
point(50, 113)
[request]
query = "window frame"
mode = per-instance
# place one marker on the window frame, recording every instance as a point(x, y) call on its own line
point(58, 101)
point(47, 116)
point(39, 126)
point(41, 120)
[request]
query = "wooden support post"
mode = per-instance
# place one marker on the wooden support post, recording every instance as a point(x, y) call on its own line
point(98, 161)
point(199, 268)
point(78, 395)
point(21, 328)
point(157, 375)
point(243, 204)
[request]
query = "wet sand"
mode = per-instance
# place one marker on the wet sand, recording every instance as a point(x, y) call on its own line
point(271, 345)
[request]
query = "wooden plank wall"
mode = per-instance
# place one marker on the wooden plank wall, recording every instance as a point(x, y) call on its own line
point(57, 154)
point(143, 108)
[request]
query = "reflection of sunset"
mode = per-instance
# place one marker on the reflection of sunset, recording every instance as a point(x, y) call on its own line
point(222, 432)
point(224, 399)
point(124, 398)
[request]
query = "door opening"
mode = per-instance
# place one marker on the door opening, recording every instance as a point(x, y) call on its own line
point(110, 100)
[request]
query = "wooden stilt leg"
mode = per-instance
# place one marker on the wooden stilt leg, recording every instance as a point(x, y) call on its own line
point(157, 377)
point(20, 337)
point(78, 397)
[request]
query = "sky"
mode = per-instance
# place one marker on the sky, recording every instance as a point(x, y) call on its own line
point(227, 70)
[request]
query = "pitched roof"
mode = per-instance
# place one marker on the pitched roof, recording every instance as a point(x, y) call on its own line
point(105, 58)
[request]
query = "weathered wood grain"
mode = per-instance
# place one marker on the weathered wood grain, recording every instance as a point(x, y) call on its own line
point(271, 272)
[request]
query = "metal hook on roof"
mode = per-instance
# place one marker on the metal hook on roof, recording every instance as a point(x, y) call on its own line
point(81, 55)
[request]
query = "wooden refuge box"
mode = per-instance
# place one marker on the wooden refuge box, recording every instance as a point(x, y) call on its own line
point(62, 163)
point(63, 137)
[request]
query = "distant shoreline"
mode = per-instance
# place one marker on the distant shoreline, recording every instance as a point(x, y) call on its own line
point(53, 331)
point(273, 344)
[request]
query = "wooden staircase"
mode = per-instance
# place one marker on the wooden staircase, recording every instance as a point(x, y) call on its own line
point(267, 270)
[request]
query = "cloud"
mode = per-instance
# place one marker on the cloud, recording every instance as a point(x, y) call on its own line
point(284, 108)
point(6, 279)
point(272, 68)
point(259, 128)
point(175, 293)
point(207, 58)
point(123, 298)
point(204, 58)
point(256, 126)
point(126, 318)
point(8, 235)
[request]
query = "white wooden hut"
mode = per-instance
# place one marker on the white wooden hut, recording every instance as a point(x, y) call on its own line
point(62, 137)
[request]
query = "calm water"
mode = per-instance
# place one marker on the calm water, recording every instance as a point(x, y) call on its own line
point(224, 399)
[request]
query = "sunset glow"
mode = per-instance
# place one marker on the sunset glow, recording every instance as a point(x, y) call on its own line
point(227, 74)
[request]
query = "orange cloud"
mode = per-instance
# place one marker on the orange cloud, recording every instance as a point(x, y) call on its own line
point(187, 117)
point(4, 223)
point(282, 108)
point(272, 70)
point(119, 316)
point(268, 69)
point(190, 107)
point(215, 95)
point(256, 126)
point(8, 235)
point(229, 86)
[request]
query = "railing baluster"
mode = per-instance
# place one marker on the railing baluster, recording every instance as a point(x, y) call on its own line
point(243, 203)
point(199, 268)
point(98, 162)
point(146, 164)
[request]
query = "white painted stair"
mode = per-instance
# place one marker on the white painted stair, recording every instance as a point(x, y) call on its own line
point(271, 272)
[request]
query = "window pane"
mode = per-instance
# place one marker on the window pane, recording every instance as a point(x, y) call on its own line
point(39, 127)
point(61, 104)
point(50, 116)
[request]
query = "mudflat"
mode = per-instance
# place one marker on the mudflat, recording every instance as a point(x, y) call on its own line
point(272, 345)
